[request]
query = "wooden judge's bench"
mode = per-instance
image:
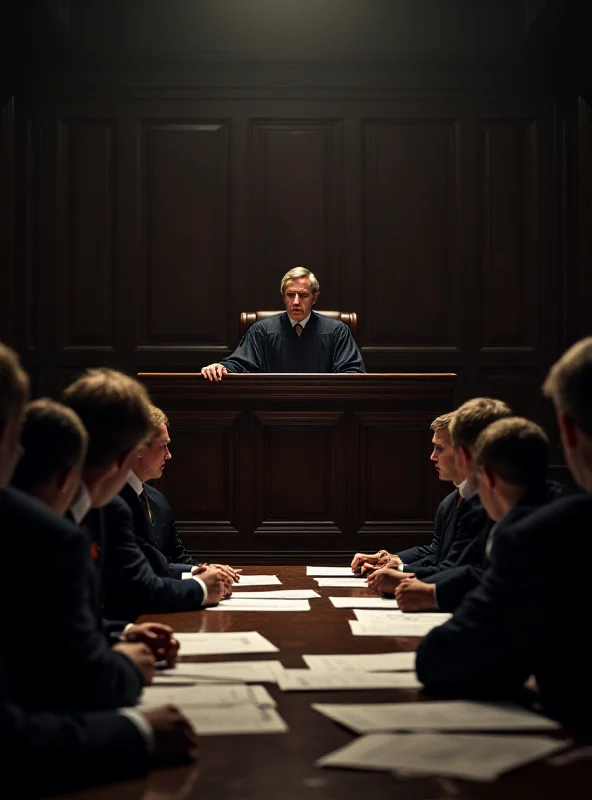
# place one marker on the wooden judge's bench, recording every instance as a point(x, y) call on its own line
point(280, 468)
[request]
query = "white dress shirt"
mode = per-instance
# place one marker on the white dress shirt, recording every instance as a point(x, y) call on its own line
point(81, 505)
point(301, 322)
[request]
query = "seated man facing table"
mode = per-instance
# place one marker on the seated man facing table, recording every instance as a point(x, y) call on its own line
point(298, 340)
point(154, 522)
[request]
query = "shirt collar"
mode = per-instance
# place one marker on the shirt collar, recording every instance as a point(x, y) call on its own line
point(465, 490)
point(135, 483)
point(81, 505)
point(302, 322)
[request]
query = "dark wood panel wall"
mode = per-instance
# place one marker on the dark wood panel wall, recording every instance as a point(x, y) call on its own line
point(186, 155)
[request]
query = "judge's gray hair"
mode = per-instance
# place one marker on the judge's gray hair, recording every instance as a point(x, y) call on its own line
point(300, 272)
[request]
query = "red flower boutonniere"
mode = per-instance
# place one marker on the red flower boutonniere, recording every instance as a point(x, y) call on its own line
point(95, 550)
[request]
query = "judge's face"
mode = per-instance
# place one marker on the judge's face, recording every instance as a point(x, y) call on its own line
point(299, 299)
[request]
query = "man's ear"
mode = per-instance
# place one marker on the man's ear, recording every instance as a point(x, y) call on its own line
point(568, 429)
point(489, 477)
point(63, 478)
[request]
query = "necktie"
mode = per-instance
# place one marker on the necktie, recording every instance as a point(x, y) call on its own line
point(145, 506)
point(298, 328)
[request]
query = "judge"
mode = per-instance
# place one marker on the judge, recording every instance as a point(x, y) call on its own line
point(299, 340)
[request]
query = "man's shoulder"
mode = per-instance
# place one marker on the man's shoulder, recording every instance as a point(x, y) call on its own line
point(326, 325)
point(448, 502)
point(267, 326)
point(117, 507)
point(18, 508)
point(571, 514)
point(156, 496)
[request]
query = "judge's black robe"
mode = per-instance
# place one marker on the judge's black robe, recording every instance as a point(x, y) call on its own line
point(272, 345)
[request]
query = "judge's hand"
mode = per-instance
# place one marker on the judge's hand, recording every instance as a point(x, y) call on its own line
point(158, 637)
point(214, 372)
point(142, 656)
point(175, 740)
point(361, 559)
point(415, 595)
point(386, 580)
point(218, 583)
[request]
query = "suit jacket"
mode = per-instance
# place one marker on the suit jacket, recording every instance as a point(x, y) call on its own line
point(454, 583)
point(129, 585)
point(513, 625)
point(79, 671)
point(443, 514)
point(461, 525)
point(48, 753)
point(168, 540)
point(158, 539)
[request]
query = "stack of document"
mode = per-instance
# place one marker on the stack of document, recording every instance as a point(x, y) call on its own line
point(246, 580)
point(219, 672)
point(394, 623)
point(377, 602)
point(378, 662)
point(314, 680)
point(329, 572)
point(472, 757)
point(352, 582)
point(274, 600)
point(454, 715)
point(210, 644)
point(220, 710)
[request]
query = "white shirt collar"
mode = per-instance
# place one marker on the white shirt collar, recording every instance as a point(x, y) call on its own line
point(302, 321)
point(81, 505)
point(135, 483)
point(465, 490)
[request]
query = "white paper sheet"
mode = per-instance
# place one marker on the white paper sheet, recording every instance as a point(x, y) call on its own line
point(364, 602)
point(216, 695)
point(402, 628)
point(371, 616)
point(211, 671)
point(261, 605)
point(258, 580)
point(333, 572)
point(342, 583)
point(379, 662)
point(473, 757)
point(228, 720)
point(275, 594)
point(454, 715)
point(294, 680)
point(210, 644)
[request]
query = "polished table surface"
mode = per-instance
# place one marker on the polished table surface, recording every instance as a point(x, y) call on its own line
point(270, 766)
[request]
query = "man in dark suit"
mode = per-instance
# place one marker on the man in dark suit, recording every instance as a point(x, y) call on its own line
point(154, 524)
point(442, 457)
point(512, 456)
point(55, 442)
point(518, 622)
point(129, 585)
point(468, 518)
point(85, 673)
point(46, 752)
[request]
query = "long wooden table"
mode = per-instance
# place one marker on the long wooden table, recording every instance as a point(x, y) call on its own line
point(281, 766)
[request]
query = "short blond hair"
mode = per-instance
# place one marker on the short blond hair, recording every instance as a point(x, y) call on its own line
point(14, 385)
point(157, 418)
point(442, 422)
point(114, 409)
point(472, 417)
point(569, 384)
point(514, 448)
point(300, 272)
